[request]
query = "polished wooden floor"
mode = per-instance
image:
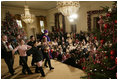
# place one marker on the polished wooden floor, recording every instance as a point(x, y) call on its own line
point(61, 71)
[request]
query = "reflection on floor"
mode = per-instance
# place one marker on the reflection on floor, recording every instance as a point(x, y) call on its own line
point(61, 71)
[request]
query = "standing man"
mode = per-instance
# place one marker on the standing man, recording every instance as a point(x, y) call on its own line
point(30, 43)
point(6, 51)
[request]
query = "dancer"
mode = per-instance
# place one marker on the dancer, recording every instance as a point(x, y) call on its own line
point(46, 50)
point(30, 43)
point(46, 35)
point(48, 41)
point(6, 51)
point(38, 57)
point(22, 48)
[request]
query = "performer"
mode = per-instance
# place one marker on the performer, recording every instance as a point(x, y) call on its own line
point(6, 51)
point(38, 57)
point(22, 48)
point(46, 50)
point(46, 35)
point(30, 43)
point(48, 40)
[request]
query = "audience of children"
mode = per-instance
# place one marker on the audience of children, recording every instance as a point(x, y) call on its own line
point(73, 49)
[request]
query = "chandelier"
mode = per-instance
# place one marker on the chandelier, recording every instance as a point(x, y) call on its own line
point(27, 17)
point(67, 8)
point(72, 17)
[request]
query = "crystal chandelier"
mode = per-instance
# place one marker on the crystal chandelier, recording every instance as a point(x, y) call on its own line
point(72, 17)
point(68, 8)
point(27, 17)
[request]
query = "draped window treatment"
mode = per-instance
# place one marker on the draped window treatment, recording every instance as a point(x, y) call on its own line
point(41, 18)
point(18, 17)
point(59, 22)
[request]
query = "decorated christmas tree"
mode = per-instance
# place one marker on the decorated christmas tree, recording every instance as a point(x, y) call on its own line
point(10, 27)
point(103, 65)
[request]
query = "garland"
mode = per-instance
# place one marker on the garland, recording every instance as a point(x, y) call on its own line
point(89, 13)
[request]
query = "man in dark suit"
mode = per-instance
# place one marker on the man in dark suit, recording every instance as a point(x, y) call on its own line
point(30, 43)
point(6, 52)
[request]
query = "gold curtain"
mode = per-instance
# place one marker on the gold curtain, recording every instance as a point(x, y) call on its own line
point(41, 18)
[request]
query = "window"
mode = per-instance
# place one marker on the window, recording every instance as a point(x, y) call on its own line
point(42, 26)
point(19, 23)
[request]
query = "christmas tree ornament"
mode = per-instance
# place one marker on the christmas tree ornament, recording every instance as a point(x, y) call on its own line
point(112, 52)
point(101, 41)
point(90, 70)
point(110, 45)
point(95, 69)
point(95, 38)
point(105, 26)
point(110, 10)
point(84, 68)
point(108, 14)
point(106, 44)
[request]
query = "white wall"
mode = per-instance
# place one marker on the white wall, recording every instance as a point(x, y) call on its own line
point(51, 18)
point(81, 22)
point(14, 11)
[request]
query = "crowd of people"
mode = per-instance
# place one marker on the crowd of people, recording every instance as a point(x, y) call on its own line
point(73, 48)
point(69, 48)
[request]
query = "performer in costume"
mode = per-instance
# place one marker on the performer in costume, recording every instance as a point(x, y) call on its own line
point(22, 48)
point(38, 57)
point(46, 35)
point(46, 50)
point(48, 40)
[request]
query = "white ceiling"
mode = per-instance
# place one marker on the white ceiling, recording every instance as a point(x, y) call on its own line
point(32, 4)
point(45, 5)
